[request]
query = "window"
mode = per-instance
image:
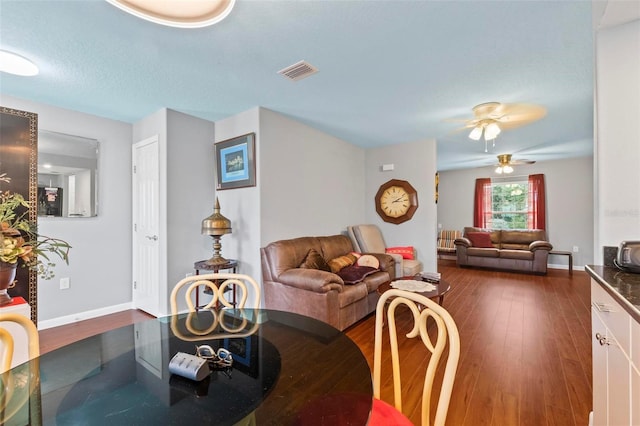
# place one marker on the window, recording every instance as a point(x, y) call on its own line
point(509, 207)
point(510, 204)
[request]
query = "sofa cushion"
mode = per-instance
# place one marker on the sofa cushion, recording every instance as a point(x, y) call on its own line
point(480, 239)
point(353, 274)
point(522, 236)
point(313, 260)
point(336, 264)
point(483, 252)
point(509, 246)
point(405, 252)
point(516, 254)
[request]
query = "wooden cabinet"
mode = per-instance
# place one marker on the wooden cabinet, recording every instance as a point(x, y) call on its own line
point(616, 393)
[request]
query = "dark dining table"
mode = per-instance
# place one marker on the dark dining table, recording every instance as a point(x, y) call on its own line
point(287, 369)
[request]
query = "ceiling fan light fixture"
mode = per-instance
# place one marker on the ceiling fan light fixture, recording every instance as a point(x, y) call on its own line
point(499, 170)
point(476, 133)
point(507, 169)
point(491, 131)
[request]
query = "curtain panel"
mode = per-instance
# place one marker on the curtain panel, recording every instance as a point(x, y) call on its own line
point(536, 218)
point(482, 205)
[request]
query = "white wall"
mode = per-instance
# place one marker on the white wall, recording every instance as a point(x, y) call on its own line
point(311, 183)
point(414, 162)
point(100, 260)
point(617, 147)
point(569, 191)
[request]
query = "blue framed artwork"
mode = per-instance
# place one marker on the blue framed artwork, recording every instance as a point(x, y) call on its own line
point(235, 162)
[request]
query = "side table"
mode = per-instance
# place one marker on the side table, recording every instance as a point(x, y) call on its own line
point(202, 265)
point(564, 253)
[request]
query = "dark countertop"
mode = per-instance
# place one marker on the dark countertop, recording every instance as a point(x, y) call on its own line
point(624, 287)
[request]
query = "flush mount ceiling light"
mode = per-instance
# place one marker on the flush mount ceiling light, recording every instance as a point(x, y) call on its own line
point(178, 13)
point(13, 63)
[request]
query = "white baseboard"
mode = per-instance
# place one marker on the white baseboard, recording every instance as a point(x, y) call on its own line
point(575, 267)
point(69, 319)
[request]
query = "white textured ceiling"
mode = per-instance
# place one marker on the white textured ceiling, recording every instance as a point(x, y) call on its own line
point(389, 71)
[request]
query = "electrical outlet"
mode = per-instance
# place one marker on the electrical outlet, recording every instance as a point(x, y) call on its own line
point(64, 283)
point(576, 249)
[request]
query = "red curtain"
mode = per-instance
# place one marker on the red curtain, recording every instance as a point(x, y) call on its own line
point(482, 204)
point(537, 206)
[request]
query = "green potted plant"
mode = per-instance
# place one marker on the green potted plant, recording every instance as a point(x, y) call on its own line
point(21, 244)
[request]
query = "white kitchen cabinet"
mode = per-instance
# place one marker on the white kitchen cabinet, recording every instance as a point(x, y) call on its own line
point(615, 379)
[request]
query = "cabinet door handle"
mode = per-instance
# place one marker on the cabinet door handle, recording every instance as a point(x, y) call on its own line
point(152, 237)
point(602, 340)
point(602, 307)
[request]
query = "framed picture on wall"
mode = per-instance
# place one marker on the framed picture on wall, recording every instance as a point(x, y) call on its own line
point(235, 162)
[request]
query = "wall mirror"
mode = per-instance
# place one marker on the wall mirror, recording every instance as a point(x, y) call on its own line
point(67, 175)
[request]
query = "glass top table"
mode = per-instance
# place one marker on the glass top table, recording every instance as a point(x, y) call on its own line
point(288, 369)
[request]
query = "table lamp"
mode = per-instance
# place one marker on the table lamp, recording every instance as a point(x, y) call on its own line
point(216, 225)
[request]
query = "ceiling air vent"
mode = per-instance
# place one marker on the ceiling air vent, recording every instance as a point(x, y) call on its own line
point(298, 71)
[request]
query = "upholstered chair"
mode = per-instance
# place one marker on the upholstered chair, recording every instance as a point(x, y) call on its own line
point(368, 239)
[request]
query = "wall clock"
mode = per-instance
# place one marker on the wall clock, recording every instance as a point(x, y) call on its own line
point(396, 201)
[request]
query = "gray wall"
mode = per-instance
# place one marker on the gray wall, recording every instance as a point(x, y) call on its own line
point(100, 260)
point(414, 162)
point(569, 185)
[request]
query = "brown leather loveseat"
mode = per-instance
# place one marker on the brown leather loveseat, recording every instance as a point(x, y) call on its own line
point(319, 293)
point(523, 250)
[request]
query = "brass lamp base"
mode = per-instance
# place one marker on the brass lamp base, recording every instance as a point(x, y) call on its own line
point(215, 261)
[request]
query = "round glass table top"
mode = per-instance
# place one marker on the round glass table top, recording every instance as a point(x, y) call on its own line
point(287, 369)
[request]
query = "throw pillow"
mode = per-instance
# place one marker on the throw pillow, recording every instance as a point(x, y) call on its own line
point(340, 262)
point(480, 239)
point(406, 252)
point(368, 260)
point(313, 260)
point(353, 274)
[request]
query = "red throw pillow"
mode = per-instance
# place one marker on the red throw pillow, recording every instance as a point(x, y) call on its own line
point(406, 252)
point(480, 239)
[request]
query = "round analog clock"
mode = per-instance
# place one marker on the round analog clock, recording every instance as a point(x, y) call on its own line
point(396, 201)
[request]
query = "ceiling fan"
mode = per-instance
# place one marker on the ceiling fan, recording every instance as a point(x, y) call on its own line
point(490, 118)
point(505, 164)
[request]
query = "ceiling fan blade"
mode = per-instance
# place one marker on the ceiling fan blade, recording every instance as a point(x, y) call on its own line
point(519, 114)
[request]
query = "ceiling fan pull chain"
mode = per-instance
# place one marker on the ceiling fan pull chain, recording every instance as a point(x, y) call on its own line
point(485, 146)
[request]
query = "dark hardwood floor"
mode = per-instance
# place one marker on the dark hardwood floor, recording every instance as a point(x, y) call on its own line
point(525, 347)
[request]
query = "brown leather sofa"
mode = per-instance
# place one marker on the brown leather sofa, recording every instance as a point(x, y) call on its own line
point(510, 249)
point(317, 293)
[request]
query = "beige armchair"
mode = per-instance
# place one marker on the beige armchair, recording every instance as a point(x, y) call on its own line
point(368, 239)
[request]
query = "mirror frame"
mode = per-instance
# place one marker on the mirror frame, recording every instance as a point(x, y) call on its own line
point(19, 144)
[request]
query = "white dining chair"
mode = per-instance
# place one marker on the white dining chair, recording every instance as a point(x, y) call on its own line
point(446, 331)
point(17, 386)
point(8, 342)
point(219, 284)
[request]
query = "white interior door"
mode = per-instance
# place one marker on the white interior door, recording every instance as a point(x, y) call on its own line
point(146, 229)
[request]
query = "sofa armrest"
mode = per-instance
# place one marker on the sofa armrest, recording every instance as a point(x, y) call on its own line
point(540, 245)
point(465, 242)
point(387, 263)
point(311, 280)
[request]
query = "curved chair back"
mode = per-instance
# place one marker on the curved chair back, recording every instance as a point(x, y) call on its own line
point(6, 351)
point(445, 330)
point(218, 283)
